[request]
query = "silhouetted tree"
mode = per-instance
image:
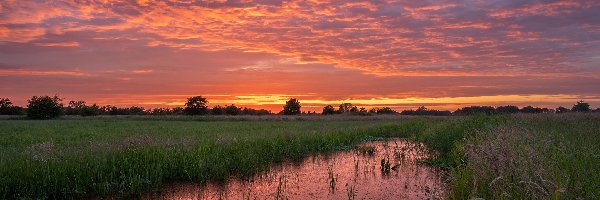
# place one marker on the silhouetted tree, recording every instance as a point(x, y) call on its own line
point(217, 110)
point(177, 111)
point(161, 111)
point(347, 107)
point(581, 106)
point(134, 110)
point(232, 110)
point(328, 110)
point(5, 104)
point(386, 110)
point(92, 110)
point(363, 111)
point(291, 107)
point(7, 108)
point(425, 111)
point(196, 106)
point(531, 109)
point(44, 107)
point(561, 109)
point(507, 109)
point(75, 108)
point(475, 110)
point(251, 111)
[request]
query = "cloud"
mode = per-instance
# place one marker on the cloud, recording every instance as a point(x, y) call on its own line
point(383, 48)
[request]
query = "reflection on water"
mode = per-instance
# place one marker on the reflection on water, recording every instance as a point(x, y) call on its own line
point(375, 170)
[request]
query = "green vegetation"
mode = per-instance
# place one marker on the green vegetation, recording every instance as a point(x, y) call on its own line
point(511, 156)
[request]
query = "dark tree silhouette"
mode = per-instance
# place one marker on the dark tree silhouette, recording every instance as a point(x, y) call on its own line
point(425, 111)
point(233, 110)
point(581, 106)
point(251, 111)
point(507, 109)
point(5, 103)
point(75, 108)
point(217, 110)
point(347, 107)
point(386, 110)
point(7, 108)
point(291, 107)
point(328, 110)
point(44, 107)
point(92, 110)
point(177, 111)
point(531, 109)
point(561, 109)
point(161, 111)
point(134, 110)
point(196, 106)
point(470, 110)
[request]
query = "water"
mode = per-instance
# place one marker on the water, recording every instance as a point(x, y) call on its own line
point(355, 174)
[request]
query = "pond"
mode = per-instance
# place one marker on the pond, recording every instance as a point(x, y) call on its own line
point(374, 170)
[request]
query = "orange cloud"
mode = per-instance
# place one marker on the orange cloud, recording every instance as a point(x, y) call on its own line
point(26, 72)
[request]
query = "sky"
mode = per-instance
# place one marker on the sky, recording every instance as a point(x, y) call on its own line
point(396, 53)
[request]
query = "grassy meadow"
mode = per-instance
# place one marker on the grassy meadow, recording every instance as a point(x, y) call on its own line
point(538, 156)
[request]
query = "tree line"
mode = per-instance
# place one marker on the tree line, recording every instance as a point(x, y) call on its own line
point(48, 107)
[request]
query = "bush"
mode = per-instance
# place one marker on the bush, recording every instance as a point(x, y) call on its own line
point(386, 110)
point(347, 107)
point(425, 111)
point(196, 106)
point(44, 107)
point(292, 107)
point(233, 110)
point(562, 110)
point(251, 111)
point(217, 110)
point(92, 110)
point(7, 108)
point(328, 110)
point(507, 109)
point(531, 109)
point(471, 110)
point(581, 106)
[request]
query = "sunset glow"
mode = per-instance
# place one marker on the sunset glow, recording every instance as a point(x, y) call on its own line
point(401, 54)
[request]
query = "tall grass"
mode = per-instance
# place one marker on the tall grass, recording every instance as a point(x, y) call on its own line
point(532, 157)
point(74, 158)
point(79, 158)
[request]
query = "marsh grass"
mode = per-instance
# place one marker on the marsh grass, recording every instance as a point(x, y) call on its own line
point(124, 156)
point(366, 150)
point(331, 178)
point(532, 157)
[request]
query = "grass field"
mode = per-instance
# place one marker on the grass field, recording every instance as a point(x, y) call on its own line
point(512, 157)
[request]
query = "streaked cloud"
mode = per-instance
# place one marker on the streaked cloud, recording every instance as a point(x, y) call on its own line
point(335, 50)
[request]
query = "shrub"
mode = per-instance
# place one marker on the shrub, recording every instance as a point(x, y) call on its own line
point(92, 110)
point(291, 107)
point(328, 110)
point(347, 107)
point(507, 109)
point(581, 106)
point(161, 111)
point(386, 110)
point(232, 110)
point(196, 106)
point(251, 111)
point(44, 107)
point(217, 110)
point(7, 108)
point(475, 110)
point(531, 109)
point(562, 110)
